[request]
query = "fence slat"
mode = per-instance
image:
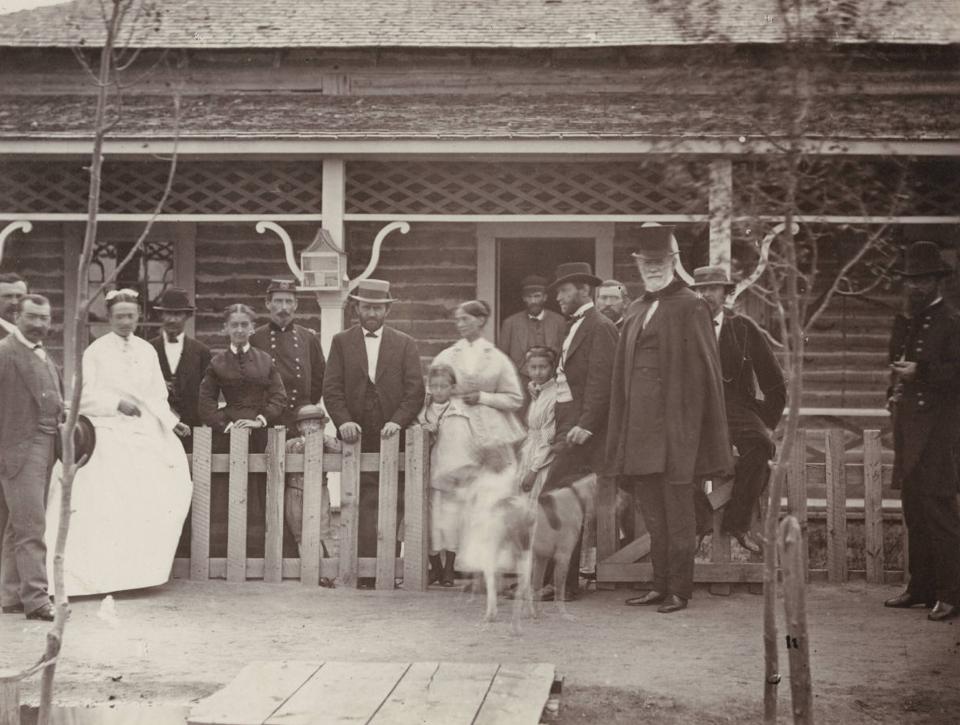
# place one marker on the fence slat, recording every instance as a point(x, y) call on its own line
point(237, 517)
point(387, 513)
point(415, 530)
point(797, 493)
point(795, 607)
point(273, 542)
point(836, 507)
point(872, 506)
point(349, 512)
point(310, 551)
point(719, 550)
point(200, 505)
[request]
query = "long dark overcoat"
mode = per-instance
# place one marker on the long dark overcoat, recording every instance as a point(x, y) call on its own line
point(691, 440)
point(926, 419)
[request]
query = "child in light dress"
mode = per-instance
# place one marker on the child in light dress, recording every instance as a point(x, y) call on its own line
point(453, 449)
point(537, 454)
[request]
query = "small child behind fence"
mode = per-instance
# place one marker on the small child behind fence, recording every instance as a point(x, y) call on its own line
point(452, 449)
point(537, 453)
point(309, 418)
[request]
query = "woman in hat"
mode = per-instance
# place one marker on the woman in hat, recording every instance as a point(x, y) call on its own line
point(130, 500)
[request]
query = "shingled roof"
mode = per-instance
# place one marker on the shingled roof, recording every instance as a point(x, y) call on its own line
point(481, 23)
point(312, 116)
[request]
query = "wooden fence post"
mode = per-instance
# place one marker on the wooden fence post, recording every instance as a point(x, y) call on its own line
point(415, 517)
point(387, 512)
point(719, 551)
point(789, 543)
point(200, 506)
point(797, 494)
point(349, 513)
point(873, 506)
point(237, 518)
point(310, 549)
point(836, 507)
point(273, 528)
point(9, 698)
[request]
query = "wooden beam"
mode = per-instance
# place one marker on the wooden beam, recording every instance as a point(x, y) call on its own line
point(505, 148)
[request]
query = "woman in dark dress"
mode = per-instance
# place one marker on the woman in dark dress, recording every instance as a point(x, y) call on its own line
point(248, 380)
point(255, 399)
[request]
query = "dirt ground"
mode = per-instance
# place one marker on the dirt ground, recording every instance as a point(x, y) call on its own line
point(178, 643)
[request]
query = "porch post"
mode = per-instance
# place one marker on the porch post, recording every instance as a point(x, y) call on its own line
point(332, 208)
point(721, 211)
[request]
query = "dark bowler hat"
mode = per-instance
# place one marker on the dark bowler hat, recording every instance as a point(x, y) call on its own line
point(374, 291)
point(534, 283)
point(84, 440)
point(707, 276)
point(173, 299)
point(310, 412)
point(923, 259)
point(576, 272)
point(282, 285)
point(655, 241)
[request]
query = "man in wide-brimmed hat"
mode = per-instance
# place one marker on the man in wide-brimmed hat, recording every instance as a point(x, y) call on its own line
point(534, 326)
point(668, 428)
point(925, 402)
point(183, 360)
point(583, 386)
point(745, 357)
point(373, 388)
point(295, 349)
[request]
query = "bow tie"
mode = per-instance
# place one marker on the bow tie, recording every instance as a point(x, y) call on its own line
point(172, 338)
point(716, 323)
point(372, 334)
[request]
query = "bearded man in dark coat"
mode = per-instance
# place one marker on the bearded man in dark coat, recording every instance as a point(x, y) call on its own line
point(925, 401)
point(667, 424)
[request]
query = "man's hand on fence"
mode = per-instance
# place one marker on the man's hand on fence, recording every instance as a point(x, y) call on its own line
point(389, 430)
point(128, 407)
point(350, 432)
point(181, 429)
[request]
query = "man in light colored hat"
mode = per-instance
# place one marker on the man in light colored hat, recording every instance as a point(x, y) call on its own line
point(612, 301)
point(183, 360)
point(295, 349)
point(373, 388)
point(925, 401)
point(534, 326)
point(667, 425)
point(746, 361)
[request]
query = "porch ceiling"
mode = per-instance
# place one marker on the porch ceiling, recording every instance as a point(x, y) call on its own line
point(587, 116)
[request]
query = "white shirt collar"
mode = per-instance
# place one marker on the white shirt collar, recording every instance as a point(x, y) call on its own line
point(8, 326)
point(583, 309)
point(178, 340)
point(233, 348)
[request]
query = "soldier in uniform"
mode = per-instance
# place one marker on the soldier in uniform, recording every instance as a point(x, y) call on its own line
point(924, 399)
point(295, 350)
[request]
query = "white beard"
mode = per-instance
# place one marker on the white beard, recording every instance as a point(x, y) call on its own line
point(659, 284)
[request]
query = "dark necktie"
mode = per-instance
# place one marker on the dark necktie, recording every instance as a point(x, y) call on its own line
point(240, 354)
point(372, 334)
point(171, 338)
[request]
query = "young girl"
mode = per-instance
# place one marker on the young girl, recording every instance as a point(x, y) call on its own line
point(536, 454)
point(452, 449)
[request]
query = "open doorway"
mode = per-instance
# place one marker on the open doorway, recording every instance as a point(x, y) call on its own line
point(519, 257)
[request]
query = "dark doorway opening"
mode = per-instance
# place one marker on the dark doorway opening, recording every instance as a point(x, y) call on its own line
point(518, 257)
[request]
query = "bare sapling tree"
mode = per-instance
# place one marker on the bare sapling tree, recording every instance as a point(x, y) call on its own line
point(121, 20)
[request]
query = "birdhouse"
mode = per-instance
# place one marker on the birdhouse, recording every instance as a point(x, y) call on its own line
point(323, 265)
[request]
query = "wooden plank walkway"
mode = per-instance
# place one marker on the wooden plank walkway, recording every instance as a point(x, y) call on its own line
point(380, 693)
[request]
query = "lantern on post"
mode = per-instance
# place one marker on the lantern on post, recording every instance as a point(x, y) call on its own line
point(323, 265)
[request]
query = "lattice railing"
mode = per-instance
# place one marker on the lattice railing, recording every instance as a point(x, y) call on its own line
point(136, 187)
point(851, 187)
point(526, 188)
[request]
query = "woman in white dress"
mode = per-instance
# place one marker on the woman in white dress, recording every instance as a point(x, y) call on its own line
point(130, 500)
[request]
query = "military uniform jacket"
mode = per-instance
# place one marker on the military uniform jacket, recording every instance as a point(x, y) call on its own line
point(747, 361)
point(184, 385)
point(250, 388)
point(299, 359)
point(926, 417)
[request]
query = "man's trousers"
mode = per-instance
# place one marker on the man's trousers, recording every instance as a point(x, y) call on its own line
point(668, 511)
